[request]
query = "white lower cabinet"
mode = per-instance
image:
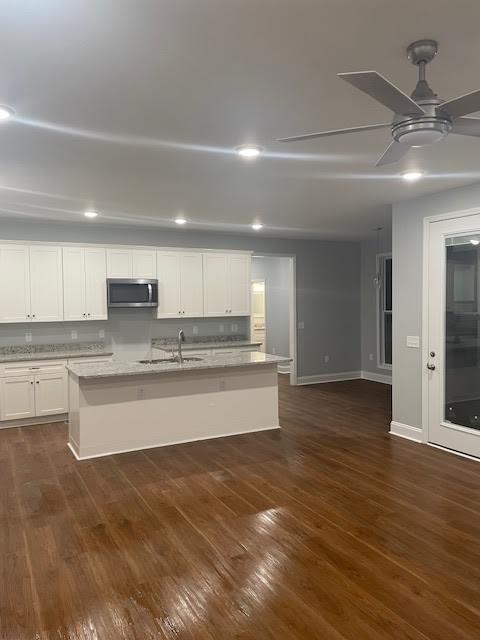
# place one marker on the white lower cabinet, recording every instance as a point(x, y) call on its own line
point(18, 398)
point(51, 393)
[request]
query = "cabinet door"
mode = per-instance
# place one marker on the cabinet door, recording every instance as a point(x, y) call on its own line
point(191, 285)
point(144, 264)
point(74, 284)
point(215, 269)
point(119, 263)
point(46, 284)
point(95, 284)
point(168, 274)
point(18, 398)
point(14, 284)
point(239, 285)
point(51, 393)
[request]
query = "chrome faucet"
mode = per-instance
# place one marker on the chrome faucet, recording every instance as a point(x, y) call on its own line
point(181, 338)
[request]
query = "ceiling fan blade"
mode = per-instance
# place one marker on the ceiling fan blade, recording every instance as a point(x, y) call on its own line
point(461, 106)
point(335, 132)
point(394, 152)
point(382, 90)
point(467, 127)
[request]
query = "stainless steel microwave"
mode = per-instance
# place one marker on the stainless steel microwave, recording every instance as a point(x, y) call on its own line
point(132, 292)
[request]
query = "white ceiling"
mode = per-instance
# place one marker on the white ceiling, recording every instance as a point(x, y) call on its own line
point(134, 106)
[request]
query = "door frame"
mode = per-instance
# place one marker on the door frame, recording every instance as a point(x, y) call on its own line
point(427, 221)
point(252, 323)
point(292, 308)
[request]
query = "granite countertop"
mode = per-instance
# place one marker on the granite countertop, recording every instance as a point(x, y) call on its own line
point(167, 345)
point(25, 353)
point(87, 371)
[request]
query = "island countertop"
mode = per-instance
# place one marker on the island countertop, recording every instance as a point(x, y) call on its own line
point(89, 371)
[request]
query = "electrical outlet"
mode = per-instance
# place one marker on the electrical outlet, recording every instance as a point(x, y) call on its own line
point(326, 358)
point(222, 385)
point(195, 330)
point(370, 356)
point(28, 337)
point(140, 393)
point(301, 324)
point(74, 334)
point(221, 328)
point(101, 333)
point(234, 328)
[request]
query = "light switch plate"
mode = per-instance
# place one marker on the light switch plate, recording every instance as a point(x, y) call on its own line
point(74, 334)
point(301, 324)
point(28, 337)
point(413, 342)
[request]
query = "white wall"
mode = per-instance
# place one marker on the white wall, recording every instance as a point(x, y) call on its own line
point(407, 250)
point(276, 273)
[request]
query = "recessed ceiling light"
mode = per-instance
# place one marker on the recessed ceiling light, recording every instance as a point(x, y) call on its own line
point(412, 176)
point(180, 221)
point(474, 241)
point(90, 213)
point(249, 151)
point(256, 226)
point(6, 112)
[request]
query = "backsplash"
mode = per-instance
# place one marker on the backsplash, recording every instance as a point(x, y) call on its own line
point(127, 332)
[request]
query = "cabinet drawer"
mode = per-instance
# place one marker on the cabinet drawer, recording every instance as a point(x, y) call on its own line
point(31, 367)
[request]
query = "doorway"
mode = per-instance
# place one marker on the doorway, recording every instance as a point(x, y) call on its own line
point(273, 307)
point(452, 345)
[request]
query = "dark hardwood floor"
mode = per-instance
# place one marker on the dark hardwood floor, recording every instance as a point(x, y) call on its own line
point(329, 529)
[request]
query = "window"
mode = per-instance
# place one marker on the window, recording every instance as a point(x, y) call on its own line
point(385, 311)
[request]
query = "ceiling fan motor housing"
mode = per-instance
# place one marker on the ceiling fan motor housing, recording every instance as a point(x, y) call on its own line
point(419, 131)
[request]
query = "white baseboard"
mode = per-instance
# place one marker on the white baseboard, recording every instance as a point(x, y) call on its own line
point(329, 377)
point(405, 431)
point(376, 377)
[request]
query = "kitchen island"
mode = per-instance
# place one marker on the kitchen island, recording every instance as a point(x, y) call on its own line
point(125, 406)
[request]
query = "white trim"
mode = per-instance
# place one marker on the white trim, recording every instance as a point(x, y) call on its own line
point(376, 377)
point(405, 431)
point(170, 444)
point(329, 377)
point(455, 453)
point(34, 421)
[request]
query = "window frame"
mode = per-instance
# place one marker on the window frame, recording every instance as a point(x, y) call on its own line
point(381, 259)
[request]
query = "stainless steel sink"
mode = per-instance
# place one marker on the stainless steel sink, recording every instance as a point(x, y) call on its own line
point(172, 360)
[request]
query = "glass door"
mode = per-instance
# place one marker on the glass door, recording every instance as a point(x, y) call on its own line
point(453, 364)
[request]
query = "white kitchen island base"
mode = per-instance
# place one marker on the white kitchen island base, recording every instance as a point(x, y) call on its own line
point(124, 413)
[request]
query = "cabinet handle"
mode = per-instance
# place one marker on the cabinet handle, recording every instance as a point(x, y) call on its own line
point(33, 315)
point(31, 381)
point(84, 314)
point(38, 381)
point(28, 315)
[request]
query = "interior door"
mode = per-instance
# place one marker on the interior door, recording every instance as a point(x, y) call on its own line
point(191, 284)
point(46, 284)
point(95, 284)
point(14, 283)
point(453, 365)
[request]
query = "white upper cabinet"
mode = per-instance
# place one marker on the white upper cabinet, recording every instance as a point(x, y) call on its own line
point(85, 288)
point(227, 284)
point(119, 263)
point(95, 284)
point(14, 283)
point(131, 263)
point(31, 287)
point(144, 264)
point(46, 284)
point(180, 284)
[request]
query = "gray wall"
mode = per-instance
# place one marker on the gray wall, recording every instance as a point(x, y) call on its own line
point(276, 273)
point(369, 309)
point(407, 245)
point(328, 279)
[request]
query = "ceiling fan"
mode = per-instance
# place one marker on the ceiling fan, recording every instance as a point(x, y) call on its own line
point(419, 120)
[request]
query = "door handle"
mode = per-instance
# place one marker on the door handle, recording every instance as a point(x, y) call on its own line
point(430, 367)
